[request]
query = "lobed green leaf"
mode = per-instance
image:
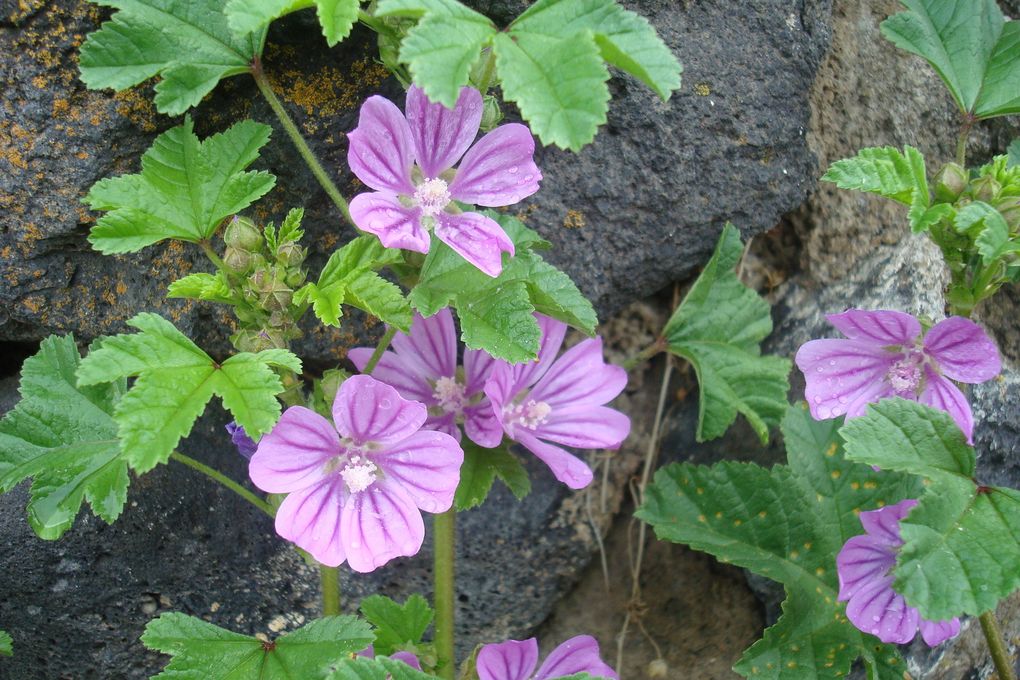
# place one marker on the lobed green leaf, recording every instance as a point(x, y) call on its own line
point(397, 626)
point(202, 286)
point(188, 45)
point(336, 17)
point(379, 668)
point(64, 437)
point(481, 468)
point(186, 188)
point(883, 171)
point(718, 328)
point(203, 651)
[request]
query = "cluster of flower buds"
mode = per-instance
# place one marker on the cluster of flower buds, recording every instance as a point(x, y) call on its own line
point(268, 265)
point(995, 184)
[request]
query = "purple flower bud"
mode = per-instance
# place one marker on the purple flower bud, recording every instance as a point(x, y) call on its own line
point(245, 445)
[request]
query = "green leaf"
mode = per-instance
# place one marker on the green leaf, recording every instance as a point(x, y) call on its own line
point(185, 190)
point(187, 44)
point(202, 651)
point(397, 626)
point(201, 286)
point(348, 278)
point(65, 438)
point(379, 668)
point(176, 380)
point(6, 644)
point(922, 217)
point(626, 39)
point(971, 46)
point(961, 551)
point(496, 314)
point(559, 84)
point(787, 524)
point(988, 228)
point(883, 171)
point(1013, 159)
point(336, 17)
point(718, 328)
point(481, 468)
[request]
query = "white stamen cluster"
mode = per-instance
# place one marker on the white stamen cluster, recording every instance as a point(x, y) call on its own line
point(905, 375)
point(358, 473)
point(432, 196)
point(450, 395)
point(529, 414)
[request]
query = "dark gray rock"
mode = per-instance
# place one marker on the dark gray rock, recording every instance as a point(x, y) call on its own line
point(639, 208)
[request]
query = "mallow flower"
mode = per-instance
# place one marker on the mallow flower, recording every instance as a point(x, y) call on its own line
point(864, 566)
point(885, 355)
point(560, 401)
point(516, 660)
point(407, 657)
point(245, 445)
point(409, 161)
point(356, 487)
point(423, 366)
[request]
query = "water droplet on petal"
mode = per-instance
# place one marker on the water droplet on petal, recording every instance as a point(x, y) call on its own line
point(843, 400)
point(818, 400)
point(832, 362)
point(384, 404)
point(513, 170)
point(876, 618)
point(515, 197)
point(528, 178)
point(820, 369)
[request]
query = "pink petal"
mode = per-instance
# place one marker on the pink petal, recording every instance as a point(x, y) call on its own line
point(367, 410)
point(843, 376)
point(408, 658)
point(431, 348)
point(553, 332)
point(884, 524)
point(310, 518)
point(499, 170)
point(585, 427)
point(446, 423)
point(878, 609)
point(427, 467)
point(510, 660)
point(937, 632)
point(292, 455)
point(392, 370)
point(476, 238)
point(580, 377)
point(862, 560)
point(441, 136)
point(566, 467)
point(963, 351)
point(477, 368)
point(882, 327)
point(577, 655)
point(482, 426)
point(396, 226)
point(380, 524)
point(942, 394)
point(380, 150)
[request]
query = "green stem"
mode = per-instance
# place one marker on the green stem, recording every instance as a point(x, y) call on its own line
point(329, 579)
point(444, 538)
point(218, 476)
point(299, 141)
point(647, 353)
point(997, 646)
point(961, 142)
point(384, 342)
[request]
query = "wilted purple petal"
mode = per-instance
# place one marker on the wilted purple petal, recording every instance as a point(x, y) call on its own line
point(427, 467)
point(878, 609)
point(843, 376)
point(937, 632)
point(942, 394)
point(394, 371)
point(477, 238)
point(291, 456)
point(566, 467)
point(499, 170)
point(510, 660)
point(585, 427)
point(441, 136)
point(396, 225)
point(380, 150)
point(310, 518)
point(370, 411)
point(883, 326)
point(862, 560)
point(581, 376)
point(577, 655)
point(246, 446)
point(431, 347)
point(378, 525)
point(963, 351)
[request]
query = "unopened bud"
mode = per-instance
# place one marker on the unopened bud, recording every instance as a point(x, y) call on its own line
point(250, 341)
point(290, 254)
point(658, 669)
point(237, 260)
point(1010, 209)
point(295, 278)
point(984, 189)
point(242, 234)
point(492, 113)
point(950, 182)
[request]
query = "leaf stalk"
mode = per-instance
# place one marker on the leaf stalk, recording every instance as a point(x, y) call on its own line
point(997, 646)
point(444, 537)
point(225, 481)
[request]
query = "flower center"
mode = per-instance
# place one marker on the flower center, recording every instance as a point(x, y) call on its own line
point(358, 473)
point(529, 414)
point(432, 196)
point(905, 375)
point(450, 395)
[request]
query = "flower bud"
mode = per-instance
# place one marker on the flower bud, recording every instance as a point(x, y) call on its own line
point(950, 182)
point(290, 254)
point(1010, 209)
point(658, 669)
point(250, 341)
point(242, 234)
point(237, 260)
point(984, 189)
point(295, 278)
point(492, 114)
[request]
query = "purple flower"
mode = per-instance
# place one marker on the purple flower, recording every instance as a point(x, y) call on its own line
point(560, 400)
point(409, 161)
point(516, 660)
point(245, 445)
point(423, 366)
point(885, 357)
point(864, 565)
point(355, 490)
point(407, 657)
